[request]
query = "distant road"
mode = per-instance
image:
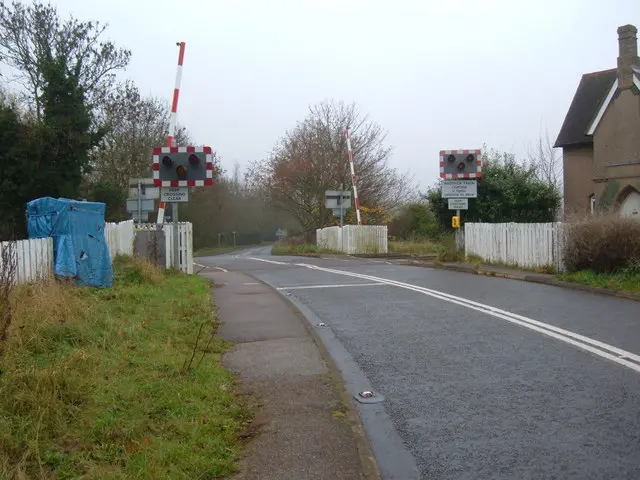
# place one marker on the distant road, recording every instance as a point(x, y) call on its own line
point(483, 378)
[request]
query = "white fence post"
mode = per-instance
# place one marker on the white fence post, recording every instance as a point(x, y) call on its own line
point(354, 239)
point(35, 262)
point(185, 244)
point(119, 238)
point(526, 245)
point(34, 259)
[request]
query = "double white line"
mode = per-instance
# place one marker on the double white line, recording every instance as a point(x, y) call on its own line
point(604, 350)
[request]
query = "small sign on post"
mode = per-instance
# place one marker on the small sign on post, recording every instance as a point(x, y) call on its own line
point(142, 204)
point(458, 204)
point(174, 194)
point(335, 198)
point(459, 189)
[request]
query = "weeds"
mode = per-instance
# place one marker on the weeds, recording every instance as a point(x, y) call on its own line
point(8, 270)
point(300, 249)
point(413, 247)
point(624, 280)
point(603, 244)
point(104, 383)
point(447, 250)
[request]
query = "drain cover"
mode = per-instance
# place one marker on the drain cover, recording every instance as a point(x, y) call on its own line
point(367, 396)
point(321, 324)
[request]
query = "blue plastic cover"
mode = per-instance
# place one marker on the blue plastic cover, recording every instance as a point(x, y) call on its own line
point(77, 228)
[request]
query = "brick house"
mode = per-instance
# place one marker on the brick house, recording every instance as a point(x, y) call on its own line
point(600, 137)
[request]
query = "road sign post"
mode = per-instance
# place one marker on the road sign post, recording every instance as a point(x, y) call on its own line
point(458, 204)
point(175, 169)
point(142, 193)
point(459, 170)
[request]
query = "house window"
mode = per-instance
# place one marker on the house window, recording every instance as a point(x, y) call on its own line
point(592, 204)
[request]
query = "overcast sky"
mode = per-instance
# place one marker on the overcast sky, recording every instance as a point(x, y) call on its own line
point(433, 74)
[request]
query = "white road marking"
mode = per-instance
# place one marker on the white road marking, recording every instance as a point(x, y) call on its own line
point(247, 253)
point(221, 269)
point(199, 265)
point(594, 346)
point(303, 287)
point(604, 350)
point(251, 283)
point(269, 261)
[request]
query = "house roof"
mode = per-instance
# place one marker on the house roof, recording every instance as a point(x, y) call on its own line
point(589, 97)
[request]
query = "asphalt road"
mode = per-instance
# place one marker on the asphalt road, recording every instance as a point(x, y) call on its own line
point(483, 378)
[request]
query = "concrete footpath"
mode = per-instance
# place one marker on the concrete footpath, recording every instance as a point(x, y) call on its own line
point(304, 424)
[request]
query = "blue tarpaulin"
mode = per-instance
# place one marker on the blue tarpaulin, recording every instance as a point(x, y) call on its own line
point(77, 228)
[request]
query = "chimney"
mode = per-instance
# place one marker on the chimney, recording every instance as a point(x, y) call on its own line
point(628, 55)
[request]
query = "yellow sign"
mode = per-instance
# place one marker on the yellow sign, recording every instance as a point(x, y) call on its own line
point(455, 221)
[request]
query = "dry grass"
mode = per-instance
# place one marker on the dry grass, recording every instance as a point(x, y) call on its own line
point(299, 249)
point(602, 244)
point(93, 382)
point(413, 247)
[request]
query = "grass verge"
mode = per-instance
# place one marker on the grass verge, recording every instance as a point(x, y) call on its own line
point(413, 247)
point(478, 261)
point(300, 249)
point(123, 382)
point(624, 282)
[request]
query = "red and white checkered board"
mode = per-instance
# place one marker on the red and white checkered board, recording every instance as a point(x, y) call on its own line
point(449, 176)
point(157, 151)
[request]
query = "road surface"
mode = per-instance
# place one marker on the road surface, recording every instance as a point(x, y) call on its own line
point(482, 378)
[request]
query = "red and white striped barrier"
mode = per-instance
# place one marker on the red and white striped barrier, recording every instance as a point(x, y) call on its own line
point(353, 177)
point(173, 120)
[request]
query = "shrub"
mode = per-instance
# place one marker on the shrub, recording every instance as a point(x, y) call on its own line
point(604, 244)
point(447, 250)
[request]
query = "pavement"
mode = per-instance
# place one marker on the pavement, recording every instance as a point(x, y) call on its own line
point(303, 428)
point(478, 377)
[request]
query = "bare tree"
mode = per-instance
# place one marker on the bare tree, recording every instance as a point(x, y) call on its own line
point(312, 158)
point(133, 125)
point(547, 161)
point(32, 35)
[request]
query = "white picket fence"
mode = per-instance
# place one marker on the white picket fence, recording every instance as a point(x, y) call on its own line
point(185, 239)
point(353, 239)
point(119, 238)
point(34, 259)
point(527, 245)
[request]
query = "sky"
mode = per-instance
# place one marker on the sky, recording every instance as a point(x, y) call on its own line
point(433, 74)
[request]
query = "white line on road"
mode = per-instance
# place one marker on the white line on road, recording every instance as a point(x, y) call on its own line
point(207, 266)
point(604, 350)
point(251, 283)
point(333, 285)
point(269, 261)
point(594, 346)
